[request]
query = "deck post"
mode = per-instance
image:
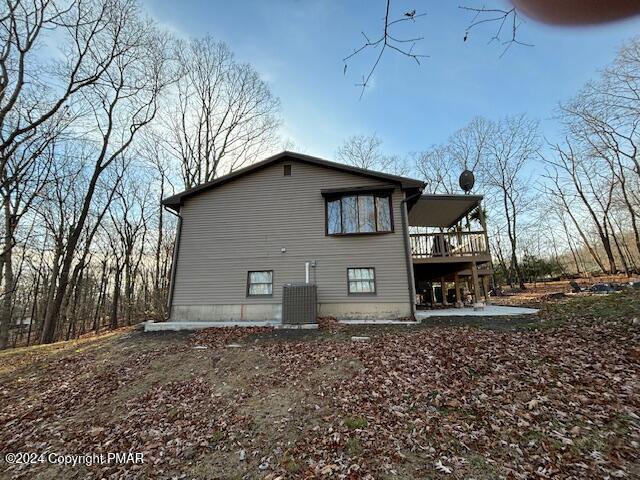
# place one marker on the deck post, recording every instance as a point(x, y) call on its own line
point(485, 286)
point(477, 304)
point(443, 290)
point(459, 302)
point(433, 294)
point(483, 222)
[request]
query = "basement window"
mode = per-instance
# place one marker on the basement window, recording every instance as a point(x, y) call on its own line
point(260, 283)
point(361, 281)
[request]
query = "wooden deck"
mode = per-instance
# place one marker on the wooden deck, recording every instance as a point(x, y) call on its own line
point(456, 247)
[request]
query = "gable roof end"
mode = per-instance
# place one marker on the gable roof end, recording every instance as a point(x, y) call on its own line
point(175, 201)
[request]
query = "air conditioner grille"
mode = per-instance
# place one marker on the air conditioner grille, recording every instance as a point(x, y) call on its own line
point(299, 304)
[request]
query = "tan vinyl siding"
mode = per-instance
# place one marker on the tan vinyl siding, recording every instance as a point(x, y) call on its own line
point(243, 225)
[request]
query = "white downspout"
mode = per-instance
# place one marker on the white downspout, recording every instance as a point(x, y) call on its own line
point(306, 271)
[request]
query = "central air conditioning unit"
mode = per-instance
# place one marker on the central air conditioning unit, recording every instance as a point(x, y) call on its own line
point(299, 304)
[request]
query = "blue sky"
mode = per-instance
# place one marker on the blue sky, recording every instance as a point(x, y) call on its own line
point(298, 46)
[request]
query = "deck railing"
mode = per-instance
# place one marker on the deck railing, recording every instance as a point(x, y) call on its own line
point(455, 244)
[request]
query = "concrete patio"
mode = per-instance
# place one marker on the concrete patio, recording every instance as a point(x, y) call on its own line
point(487, 311)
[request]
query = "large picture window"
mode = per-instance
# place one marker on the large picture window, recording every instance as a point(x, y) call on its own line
point(361, 213)
point(361, 281)
point(260, 283)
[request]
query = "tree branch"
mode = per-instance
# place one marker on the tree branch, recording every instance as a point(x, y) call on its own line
point(387, 40)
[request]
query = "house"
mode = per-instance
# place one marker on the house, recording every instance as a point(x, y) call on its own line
point(371, 243)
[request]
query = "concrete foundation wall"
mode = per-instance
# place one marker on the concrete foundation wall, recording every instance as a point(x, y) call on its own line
point(214, 313)
point(365, 311)
point(273, 312)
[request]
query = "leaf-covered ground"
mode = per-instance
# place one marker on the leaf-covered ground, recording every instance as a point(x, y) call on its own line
point(550, 397)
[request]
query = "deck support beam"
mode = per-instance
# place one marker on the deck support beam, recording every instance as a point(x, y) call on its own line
point(443, 291)
point(476, 286)
point(485, 287)
point(456, 280)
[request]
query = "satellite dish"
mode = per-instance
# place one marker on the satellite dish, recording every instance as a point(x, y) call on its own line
point(467, 180)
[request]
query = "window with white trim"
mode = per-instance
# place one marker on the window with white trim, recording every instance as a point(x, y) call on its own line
point(260, 283)
point(361, 280)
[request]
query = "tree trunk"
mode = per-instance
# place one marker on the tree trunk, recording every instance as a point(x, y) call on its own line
point(511, 232)
point(127, 287)
point(116, 297)
point(606, 243)
point(102, 292)
point(590, 248)
point(53, 309)
point(570, 243)
point(7, 300)
point(157, 296)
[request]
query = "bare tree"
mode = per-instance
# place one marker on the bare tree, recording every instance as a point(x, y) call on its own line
point(604, 121)
point(25, 173)
point(224, 115)
point(466, 149)
point(512, 145)
point(364, 151)
point(129, 217)
point(125, 100)
point(91, 32)
point(574, 172)
point(438, 168)
point(153, 150)
point(468, 146)
point(36, 99)
point(557, 189)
